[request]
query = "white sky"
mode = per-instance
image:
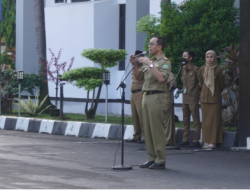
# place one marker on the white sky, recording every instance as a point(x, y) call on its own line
point(155, 6)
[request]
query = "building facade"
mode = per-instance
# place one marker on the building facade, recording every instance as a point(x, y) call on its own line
point(75, 25)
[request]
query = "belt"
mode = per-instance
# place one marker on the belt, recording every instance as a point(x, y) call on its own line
point(152, 92)
point(137, 90)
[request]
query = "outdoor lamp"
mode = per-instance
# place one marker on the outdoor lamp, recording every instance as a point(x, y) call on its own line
point(61, 78)
point(106, 77)
point(61, 94)
point(19, 76)
point(106, 80)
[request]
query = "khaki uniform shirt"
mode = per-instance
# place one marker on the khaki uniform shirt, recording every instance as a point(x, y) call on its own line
point(151, 84)
point(190, 80)
point(219, 84)
point(136, 84)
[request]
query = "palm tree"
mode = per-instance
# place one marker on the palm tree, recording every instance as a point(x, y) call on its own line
point(41, 47)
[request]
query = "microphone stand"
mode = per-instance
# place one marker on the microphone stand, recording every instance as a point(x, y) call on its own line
point(123, 86)
point(170, 88)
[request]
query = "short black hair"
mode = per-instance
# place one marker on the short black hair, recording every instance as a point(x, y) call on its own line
point(190, 53)
point(160, 41)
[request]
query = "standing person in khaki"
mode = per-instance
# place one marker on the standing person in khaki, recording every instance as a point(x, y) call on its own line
point(190, 98)
point(135, 101)
point(155, 72)
point(212, 82)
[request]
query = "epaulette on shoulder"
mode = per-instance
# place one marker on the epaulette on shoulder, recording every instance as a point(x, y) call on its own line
point(164, 58)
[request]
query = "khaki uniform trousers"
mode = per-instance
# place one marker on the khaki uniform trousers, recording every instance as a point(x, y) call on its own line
point(194, 110)
point(153, 114)
point(170, 134)
point(136, 108)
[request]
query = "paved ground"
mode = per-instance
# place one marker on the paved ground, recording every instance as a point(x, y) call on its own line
point(31, 160)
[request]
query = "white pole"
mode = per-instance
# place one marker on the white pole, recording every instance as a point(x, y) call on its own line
point(19, 99)
point(106, 107)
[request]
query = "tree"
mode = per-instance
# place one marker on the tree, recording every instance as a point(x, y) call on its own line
point(8, 24)
point(149, 24)
point(57, 70)
point(106, 58)
point(90, 77)
point(200, 25)
point(41, 47)
point(230, 94)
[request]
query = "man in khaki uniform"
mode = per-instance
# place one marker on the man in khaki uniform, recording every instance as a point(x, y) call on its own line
point(155, 72)
point(190, 104)
point(136, 108)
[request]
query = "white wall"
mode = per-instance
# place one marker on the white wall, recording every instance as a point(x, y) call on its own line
point(26, 53)
point(155, 6)
point(82, 26)
point(70, 27)
point(106, 35)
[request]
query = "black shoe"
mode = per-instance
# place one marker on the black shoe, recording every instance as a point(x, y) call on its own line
point(146, 164)
point(194, 145)
point(157, 166)
point(131, 140)
point(141, 141)
point(183, 144)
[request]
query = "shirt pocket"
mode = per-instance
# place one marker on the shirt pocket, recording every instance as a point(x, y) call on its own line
point(191, 80)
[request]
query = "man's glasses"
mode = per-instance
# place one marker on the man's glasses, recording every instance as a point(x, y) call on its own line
point(151, 44)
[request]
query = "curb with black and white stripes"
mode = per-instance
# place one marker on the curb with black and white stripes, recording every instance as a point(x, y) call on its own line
point(78, 129)
point(90, 130)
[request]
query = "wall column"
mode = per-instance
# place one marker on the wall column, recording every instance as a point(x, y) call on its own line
point(244, 90)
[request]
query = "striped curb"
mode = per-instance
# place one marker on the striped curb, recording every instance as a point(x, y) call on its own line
point(70, 128)
point(90, 130)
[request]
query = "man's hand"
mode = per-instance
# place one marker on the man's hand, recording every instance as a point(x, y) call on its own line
point(132, 59)
point(145, 60)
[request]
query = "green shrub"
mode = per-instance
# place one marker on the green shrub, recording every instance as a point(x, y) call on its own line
point(32, 108)
point(106, 58)
point(88, 78)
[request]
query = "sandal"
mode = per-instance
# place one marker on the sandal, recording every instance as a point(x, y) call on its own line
point(212, 146)
point(209, 146)
point(205, 147)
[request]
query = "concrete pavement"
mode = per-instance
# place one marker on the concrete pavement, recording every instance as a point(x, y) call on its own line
point(35, 160)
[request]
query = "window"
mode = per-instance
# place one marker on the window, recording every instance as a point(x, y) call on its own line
point(122, 26)
point(59, 1)
point(73, 1)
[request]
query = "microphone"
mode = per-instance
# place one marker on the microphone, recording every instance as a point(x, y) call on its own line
point(141, 54)
point(183, 62)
